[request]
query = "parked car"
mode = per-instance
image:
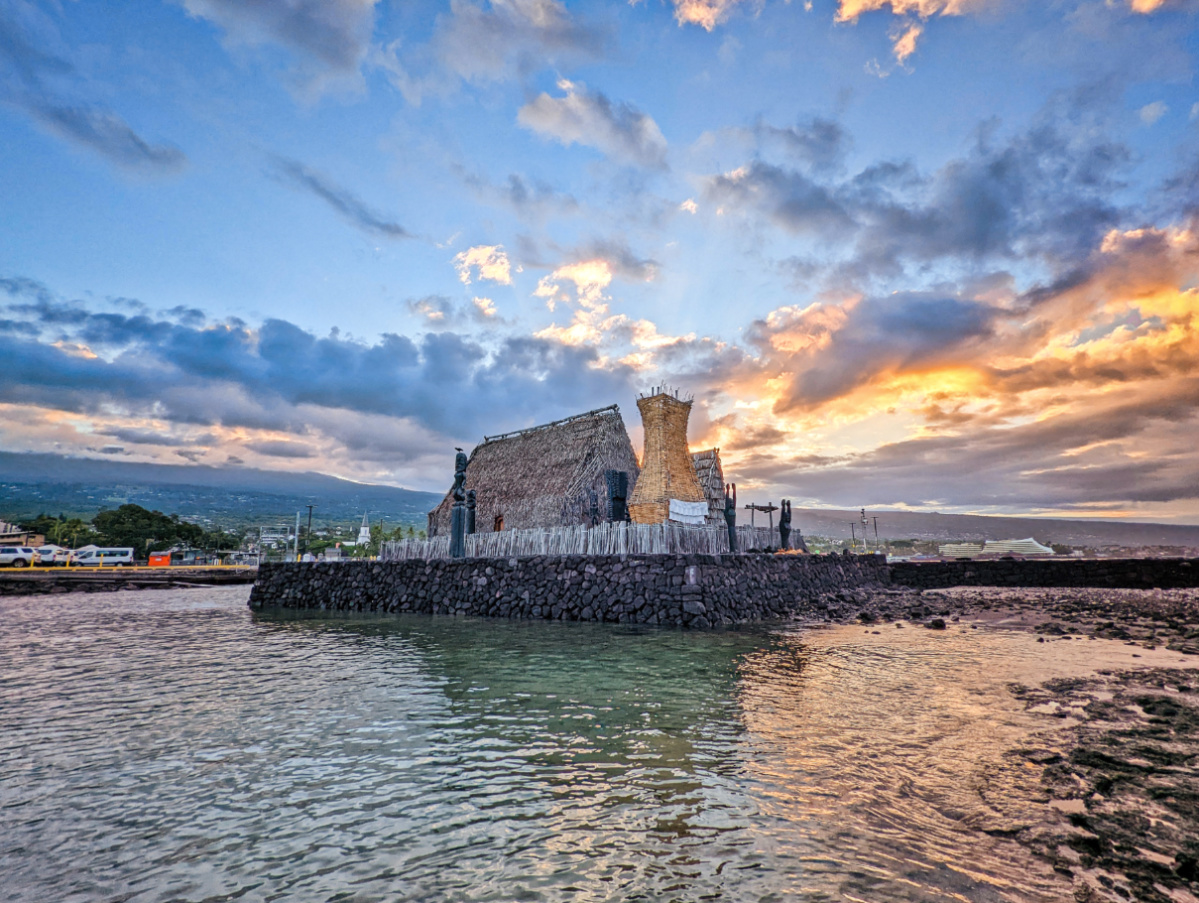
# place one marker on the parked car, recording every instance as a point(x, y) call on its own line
point(17, 556)
point(49, 556)
point(92, 558)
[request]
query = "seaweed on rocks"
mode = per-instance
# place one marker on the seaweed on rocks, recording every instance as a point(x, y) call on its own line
point(1127, 785)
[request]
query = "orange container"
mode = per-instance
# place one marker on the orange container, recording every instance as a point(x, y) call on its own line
point(161, 560)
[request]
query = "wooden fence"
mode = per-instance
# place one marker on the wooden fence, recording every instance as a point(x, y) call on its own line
point(604, 539)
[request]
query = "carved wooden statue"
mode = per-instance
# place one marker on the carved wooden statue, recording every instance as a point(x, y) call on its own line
point(618, 491)
point(458, 512)
point(730, 514)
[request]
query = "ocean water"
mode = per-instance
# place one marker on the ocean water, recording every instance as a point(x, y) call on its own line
point(173, 746)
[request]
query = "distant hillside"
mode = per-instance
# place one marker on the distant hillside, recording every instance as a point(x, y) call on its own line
point(949, 527)
point(238, 496)
point(229, 497)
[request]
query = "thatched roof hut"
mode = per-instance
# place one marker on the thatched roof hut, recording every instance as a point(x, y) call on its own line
point(544, 476)
point(710, 473)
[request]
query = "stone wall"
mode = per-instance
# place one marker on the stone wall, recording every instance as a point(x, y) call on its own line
point(1126, 573)
point(677, 590)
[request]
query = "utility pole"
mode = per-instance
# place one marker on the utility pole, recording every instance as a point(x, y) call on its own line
point(853, 534)
point(875, 519)
point(308, 537)
point(295, 543)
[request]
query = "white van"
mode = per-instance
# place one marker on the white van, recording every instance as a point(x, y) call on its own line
point(94, 558)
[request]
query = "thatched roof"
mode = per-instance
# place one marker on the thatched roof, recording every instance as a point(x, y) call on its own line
point(711, 479)
point(544, 476)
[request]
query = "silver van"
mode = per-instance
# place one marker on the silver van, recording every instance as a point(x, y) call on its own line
point(93, 558)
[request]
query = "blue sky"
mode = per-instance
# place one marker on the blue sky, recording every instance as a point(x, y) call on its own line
point(940, 254)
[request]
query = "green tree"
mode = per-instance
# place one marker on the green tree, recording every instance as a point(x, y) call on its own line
point(221, 540)
point(145, 531)
point(60, 530)
point(73, 533)
point(43, 523)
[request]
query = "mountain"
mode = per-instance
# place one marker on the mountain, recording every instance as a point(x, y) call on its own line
point(239, 496)
point(224, 496)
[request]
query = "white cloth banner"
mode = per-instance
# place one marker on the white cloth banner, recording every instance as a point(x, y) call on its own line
point(688, 512)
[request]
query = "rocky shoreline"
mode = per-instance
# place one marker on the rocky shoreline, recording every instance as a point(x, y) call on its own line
point(1120, 771)
point(52, 581)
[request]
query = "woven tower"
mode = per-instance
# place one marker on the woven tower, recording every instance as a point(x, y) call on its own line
point(666, 469)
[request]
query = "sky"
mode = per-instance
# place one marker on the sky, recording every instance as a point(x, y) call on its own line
point(939, 255)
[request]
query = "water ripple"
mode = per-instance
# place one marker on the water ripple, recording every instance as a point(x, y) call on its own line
point(170, 746)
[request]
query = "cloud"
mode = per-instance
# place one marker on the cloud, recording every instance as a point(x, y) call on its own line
point(817, 143)
point(905, 35)
point(592, 267)
point(908, 30)
point(436, 310)
point(110, 136)
point(140, 436)
point(488, 41)
point(1045, 193)
point(343, 201)
point(523, 194)
point(905, 41)
point(590, 278)
point(707, 14)
point(1076, 393)
point(1152, 112)
point(618, 130)
point(1146, 7)
point(334, 33)
point(851, 10)
point(441, 313)
point(277, 377)
point(1050, 464)
point(791, 199)
point(281, 448)
point(25, 69)
point(632, 343)
point(825, 351)
point(488, 262)
point(493, 41)
point(619, 258)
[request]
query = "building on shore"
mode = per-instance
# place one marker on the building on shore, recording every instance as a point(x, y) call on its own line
point(995, 548)
point(1024, 547)
point(12, 535)
point(545, 476)
point(960, 549)
point(668, 488)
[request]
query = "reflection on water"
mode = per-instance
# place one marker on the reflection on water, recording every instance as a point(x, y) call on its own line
point(170, 746)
